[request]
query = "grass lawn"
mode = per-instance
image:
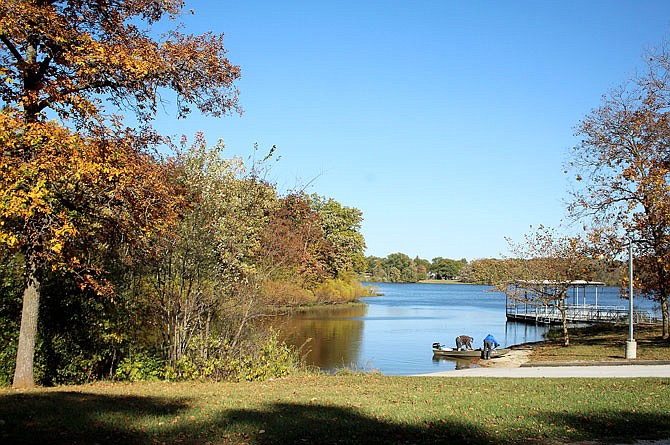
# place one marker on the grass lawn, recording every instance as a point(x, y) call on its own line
point(603, 343)
point(366, 409)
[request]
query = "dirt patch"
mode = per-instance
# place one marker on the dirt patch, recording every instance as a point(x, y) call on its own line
point(514, 359)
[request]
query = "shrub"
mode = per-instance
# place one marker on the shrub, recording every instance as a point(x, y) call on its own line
point(287, 293)
point(274, 358)
point(340, 290)
point(141, 366)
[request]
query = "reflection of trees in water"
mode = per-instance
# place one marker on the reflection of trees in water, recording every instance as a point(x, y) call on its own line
point(336, 334)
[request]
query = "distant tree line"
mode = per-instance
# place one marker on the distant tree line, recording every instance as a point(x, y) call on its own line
point(400, 268)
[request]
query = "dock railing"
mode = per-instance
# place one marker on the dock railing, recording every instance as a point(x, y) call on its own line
point(585, 313)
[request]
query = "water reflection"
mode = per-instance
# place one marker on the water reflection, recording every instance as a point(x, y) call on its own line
point(517, 333)
point(457, 363)
point(331, 336)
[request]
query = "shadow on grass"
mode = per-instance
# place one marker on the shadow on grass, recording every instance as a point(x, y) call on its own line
point(75, 417)
point(83, 418)
point(609, 427)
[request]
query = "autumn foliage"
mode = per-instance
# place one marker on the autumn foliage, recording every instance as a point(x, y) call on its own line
point(622, 169)
point(78, 195)
point(71, 187)
point(186, 247)
point(67, 55)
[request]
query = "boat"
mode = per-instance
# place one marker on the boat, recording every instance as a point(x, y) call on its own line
point(444, 351)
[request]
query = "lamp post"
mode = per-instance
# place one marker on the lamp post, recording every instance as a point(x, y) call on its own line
point(631, 345)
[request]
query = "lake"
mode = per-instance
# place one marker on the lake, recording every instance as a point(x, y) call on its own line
point(393, 333)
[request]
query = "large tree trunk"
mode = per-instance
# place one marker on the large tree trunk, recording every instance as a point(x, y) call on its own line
point(23, 373)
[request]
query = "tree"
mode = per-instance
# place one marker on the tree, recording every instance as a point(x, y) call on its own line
point(422, 267)
point(486, 271)
point(294, 242)
point(67, 192)
point(65, 54)
point(375, 269)
point(401, 267)
point(341, 227)
point(622, 167)
point(72, 202)
point(549, 264)
point(446, 268)
point(198, 286)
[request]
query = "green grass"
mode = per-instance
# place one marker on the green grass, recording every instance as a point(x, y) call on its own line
point(371, 409)
point(603, 343)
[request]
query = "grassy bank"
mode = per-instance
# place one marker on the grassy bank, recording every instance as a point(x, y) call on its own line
point(602, 343)
point(369, 409)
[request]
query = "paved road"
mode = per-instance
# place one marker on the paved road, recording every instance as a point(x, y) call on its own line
point(623, 371)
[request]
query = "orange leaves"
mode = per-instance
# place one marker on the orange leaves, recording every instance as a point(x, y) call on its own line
point(65, 197)
point(200, 73)
point(68, 57)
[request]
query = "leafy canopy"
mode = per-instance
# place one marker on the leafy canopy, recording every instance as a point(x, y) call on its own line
point(66, 55)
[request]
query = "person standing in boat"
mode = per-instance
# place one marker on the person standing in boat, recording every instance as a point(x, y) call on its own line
point(464, 340)
point(490, 343)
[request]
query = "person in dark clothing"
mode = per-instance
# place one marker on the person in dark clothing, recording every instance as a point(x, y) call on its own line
point(490, 343)
point(464, 340)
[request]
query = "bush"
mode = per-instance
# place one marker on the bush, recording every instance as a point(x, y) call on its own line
point(340, 290)
point(11, 284)
point(273, 359)
point(287, 293)
point(8, 358)
point(268, 358)
point(141, 366)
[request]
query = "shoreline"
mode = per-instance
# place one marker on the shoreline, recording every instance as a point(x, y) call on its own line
point(515, 358)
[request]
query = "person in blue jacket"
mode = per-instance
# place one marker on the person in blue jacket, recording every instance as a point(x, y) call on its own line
point(490, 343)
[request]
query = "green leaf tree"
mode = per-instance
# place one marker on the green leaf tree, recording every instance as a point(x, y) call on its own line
point(201, 287)
point(342, 229)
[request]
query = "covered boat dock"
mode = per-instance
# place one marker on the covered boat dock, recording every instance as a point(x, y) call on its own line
point(581, 306)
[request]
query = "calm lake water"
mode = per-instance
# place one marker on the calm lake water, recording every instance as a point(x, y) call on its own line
point(393, 333)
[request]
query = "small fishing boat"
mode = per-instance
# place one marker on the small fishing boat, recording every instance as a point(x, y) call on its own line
point(444, 351)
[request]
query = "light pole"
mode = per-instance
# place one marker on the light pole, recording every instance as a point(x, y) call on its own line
point(631, 345)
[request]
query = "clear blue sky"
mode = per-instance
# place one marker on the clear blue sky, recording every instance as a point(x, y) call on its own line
point(447, 123)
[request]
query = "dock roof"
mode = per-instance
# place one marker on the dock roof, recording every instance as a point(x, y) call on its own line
point(569, 283)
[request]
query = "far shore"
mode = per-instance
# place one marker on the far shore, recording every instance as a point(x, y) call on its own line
point(443, 282)
point(425, 282)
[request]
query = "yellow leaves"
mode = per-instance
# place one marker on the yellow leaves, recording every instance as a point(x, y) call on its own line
point(8, 239)
point(61, 235)
point(58, 188)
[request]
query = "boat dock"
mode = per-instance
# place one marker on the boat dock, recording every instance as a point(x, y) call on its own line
point(576, 311)
point(590, 313)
